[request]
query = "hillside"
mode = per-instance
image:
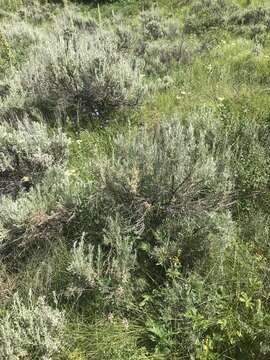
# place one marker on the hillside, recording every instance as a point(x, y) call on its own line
point(134, 180)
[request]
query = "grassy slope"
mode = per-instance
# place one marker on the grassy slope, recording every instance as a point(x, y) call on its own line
point(231, 79)
point(213, 80)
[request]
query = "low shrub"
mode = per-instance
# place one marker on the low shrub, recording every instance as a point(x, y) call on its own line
point(125, 37)
point(16, 37)
point(34, 11)
point(219, 308)
point(250, 16)
point(160, 56)
point(20, 34)
point(152, 24)
point(10, 5)
point(107, 272)
point(28, 151)
point(5, 53)
point(152, 173)
point(205, 15)
point(79, 75)
point(155, 26)
point(169, 193)
point(31, 330)
point(36, 219)
point(162, 187)
point(71, 19)
point(253, 22)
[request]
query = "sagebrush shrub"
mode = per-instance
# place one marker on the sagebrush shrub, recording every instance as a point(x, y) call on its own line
point(250, 16)
point(204, 15)
point(27, 150)
point(223, 301)
point(31, 330)
point(106, 271)
point(5, 53)
point(164, 170)
point(155, 26)
point(80, 75)
point(37, 218)
point(160, 56)
point(152, 24)
point(71, 19)
point(35, 10)
point(251, 22)
point(10, 5)
point(166, 184)
point(207, 14)
point(20, 34)
point(125, 37)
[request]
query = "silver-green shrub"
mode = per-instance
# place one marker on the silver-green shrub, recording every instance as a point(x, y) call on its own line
point(10, 5)
point(37, 217)
point(20, 33)
point(31, 330)
point(155, 26)
point(172, 169)
point(168, 183)
point(206, 14)
point(98, 269)
point(159, 56)
point(71, 18)
point(5, 56)
point(152, 23)
point(28, 150)
point(77, 73)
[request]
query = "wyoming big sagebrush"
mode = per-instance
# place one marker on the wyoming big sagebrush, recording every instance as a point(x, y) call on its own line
point(74, 73)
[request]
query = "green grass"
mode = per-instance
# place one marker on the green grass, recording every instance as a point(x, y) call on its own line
point(217, 308)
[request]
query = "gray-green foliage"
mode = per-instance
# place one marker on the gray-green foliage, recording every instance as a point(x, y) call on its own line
point(163, 188)
point(171, 170)
point(106, 270)
point(33, 10)
point(37, 217)
point(206, 15)
point(156, 241)
point(72, 72)
point(152, 24)
point(159, 56)
point(71, 18)
point(20, 34)
point(5, 55)
point(31, 330)
point(27, 150)
point(10, 5)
